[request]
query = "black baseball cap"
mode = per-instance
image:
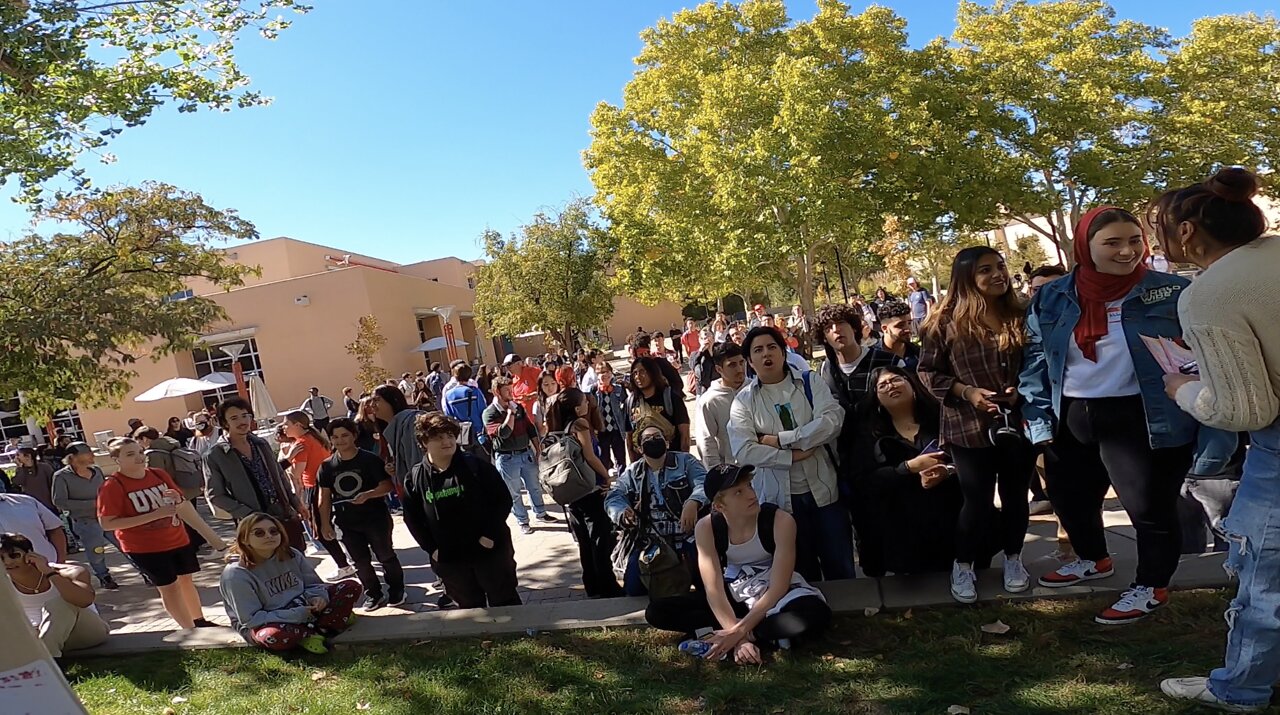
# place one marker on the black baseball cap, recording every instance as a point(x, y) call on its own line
point(723, 476)
point(79, 448)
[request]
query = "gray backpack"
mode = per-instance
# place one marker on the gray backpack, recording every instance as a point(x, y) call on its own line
point(563, 472)
point(184, 465)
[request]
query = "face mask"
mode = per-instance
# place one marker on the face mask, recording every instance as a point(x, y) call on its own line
point(654, 447)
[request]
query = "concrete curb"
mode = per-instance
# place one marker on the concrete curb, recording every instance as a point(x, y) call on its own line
point(851, 596)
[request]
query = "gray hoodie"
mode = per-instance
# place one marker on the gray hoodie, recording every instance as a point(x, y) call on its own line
point(402, 443)
point(273, 592)
point(76, 495)
point(713, 424)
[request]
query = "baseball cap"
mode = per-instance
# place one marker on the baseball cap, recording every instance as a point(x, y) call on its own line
point(79, 448)
point(510, 358)
point(723, 476)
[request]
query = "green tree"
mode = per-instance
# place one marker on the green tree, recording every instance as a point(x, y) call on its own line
point(78, 309)
point(551, 276)
point(366, 349)
point(75, 73)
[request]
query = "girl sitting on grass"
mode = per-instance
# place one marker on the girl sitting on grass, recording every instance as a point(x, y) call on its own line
point(274, 597)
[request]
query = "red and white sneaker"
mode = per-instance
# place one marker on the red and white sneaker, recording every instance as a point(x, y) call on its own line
point(1135, 604)
point(1077, 571)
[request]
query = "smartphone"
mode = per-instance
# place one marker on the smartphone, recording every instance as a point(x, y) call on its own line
point(931, 447)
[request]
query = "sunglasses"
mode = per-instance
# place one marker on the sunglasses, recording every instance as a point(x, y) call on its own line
point(270, 531)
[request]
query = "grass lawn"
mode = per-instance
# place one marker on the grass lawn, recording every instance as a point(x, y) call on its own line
point(1054, 659)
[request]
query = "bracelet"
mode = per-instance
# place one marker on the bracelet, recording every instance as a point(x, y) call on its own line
point(964, 394)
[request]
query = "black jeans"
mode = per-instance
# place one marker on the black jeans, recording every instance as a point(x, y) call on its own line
point(981, 471)
point(593, 531)
point(1101, 443)
point(312, 495)
point(613, 449)
point(803, 616)
point(485, 579)
point(362, 536)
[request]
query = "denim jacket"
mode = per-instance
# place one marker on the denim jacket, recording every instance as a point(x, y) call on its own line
point(1150, 309)
point(681, 480)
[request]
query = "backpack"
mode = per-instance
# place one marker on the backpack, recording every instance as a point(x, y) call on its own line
point(764, 529)
point(184, 465)
point(562, 471)
point(661, 568)
point(470, 435)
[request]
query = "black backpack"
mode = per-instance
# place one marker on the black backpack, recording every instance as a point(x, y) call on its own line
point(764, 528)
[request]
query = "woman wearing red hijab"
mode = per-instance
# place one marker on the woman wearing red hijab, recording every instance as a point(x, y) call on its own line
point(1094, 398)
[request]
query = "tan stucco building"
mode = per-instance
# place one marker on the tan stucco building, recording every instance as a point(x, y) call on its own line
point(295, 319)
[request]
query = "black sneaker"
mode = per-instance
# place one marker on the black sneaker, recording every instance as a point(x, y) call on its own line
point(444, 601)
point(109, 583)
point(548, 517)
point(205, 623)
point(374, 602)
point(397, 598)
point(147, 580)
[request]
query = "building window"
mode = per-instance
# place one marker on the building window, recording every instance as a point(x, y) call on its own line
point(187, 294)
point(471, 283)
point(67, 422)
point(211, 359)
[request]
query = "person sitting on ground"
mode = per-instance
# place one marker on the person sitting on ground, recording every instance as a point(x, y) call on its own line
point(57, 598)
point(456, 507)
point(673, 482)
point(754, 596)
point(273, 596)
point(905, 500)
point(146, 509)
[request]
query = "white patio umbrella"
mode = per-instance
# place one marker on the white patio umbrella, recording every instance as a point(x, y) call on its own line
point(437, 344)
point(264, 408)
point(177, 387)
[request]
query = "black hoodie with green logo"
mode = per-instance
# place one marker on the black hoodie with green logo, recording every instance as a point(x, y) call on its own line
point(448, 511)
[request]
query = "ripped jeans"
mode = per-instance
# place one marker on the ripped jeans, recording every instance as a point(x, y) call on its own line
point(1253, 529)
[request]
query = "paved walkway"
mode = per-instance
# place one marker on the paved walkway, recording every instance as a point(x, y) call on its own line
point(547, 567)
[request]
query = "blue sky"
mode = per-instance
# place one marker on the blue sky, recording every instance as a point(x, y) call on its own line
point(402, 129)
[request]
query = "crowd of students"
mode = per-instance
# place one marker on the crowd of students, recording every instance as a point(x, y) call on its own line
point(890, 450)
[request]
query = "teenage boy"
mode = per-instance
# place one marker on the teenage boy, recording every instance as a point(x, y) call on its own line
point(786, 425)
point(714, 404)
point(353, 487)
point(511, 433)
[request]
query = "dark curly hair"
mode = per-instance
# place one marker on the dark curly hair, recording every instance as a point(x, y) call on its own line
point(893, 309)
point(829, 315)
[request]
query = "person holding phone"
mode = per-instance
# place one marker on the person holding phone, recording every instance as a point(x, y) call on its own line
point(905, 494)
point(1094, 397)
point(512, 434)
point(969, 361)
point(57, 598)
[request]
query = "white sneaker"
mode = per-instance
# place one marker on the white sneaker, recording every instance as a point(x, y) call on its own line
point(1197, 691)
point(313, 550)
point(1016, 578)
point(964, 583)
point(342, 573)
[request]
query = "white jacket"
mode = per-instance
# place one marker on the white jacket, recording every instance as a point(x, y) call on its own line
point(713, 424)
point(820, 425)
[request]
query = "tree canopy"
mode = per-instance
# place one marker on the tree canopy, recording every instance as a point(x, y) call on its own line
point(75, 73)
point(550, 276)
point(79, 308)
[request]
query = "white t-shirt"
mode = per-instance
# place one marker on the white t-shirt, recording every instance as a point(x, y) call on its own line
point(21, 514)
point(1113, 375)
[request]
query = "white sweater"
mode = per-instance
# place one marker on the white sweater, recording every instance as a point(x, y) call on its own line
point(1228, 317)
point(713, 424)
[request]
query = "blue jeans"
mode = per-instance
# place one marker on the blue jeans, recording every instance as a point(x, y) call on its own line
point(1253, 529)
point(824, 539)
point(520, 470)
point(95, 540)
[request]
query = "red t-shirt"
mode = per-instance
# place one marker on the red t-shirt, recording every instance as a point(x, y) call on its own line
point(309, 450)
point(525, 385)
point(121, 496)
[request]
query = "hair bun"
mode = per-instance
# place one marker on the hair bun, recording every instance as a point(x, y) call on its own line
point(1233, 184)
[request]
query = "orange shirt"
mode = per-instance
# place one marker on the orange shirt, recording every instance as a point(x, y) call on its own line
point(309, 450)
point(525, 385)
point(121, 496)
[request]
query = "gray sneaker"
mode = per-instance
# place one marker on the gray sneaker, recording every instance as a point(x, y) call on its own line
point(964, 584)
point(1197, 691)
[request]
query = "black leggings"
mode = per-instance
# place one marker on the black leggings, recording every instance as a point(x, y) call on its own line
point(981, 470)
point(312, 495)
point(1101, 443)
point(593, 531)
point(613, 449)
point(803, 616)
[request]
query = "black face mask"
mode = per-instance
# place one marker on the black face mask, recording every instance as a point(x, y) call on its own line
point(654, 447)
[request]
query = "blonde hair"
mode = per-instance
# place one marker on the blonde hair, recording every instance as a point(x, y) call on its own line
point(241, 547)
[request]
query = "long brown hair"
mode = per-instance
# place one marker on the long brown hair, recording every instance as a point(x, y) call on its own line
point(964, 306)
point(241, 547)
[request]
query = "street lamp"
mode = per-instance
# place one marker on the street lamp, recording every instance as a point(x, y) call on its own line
point(844, 287)
point(825, 282)
point(233, 351)
point(450, 345)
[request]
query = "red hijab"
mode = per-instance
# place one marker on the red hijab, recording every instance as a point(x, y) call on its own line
point(1095, 289)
